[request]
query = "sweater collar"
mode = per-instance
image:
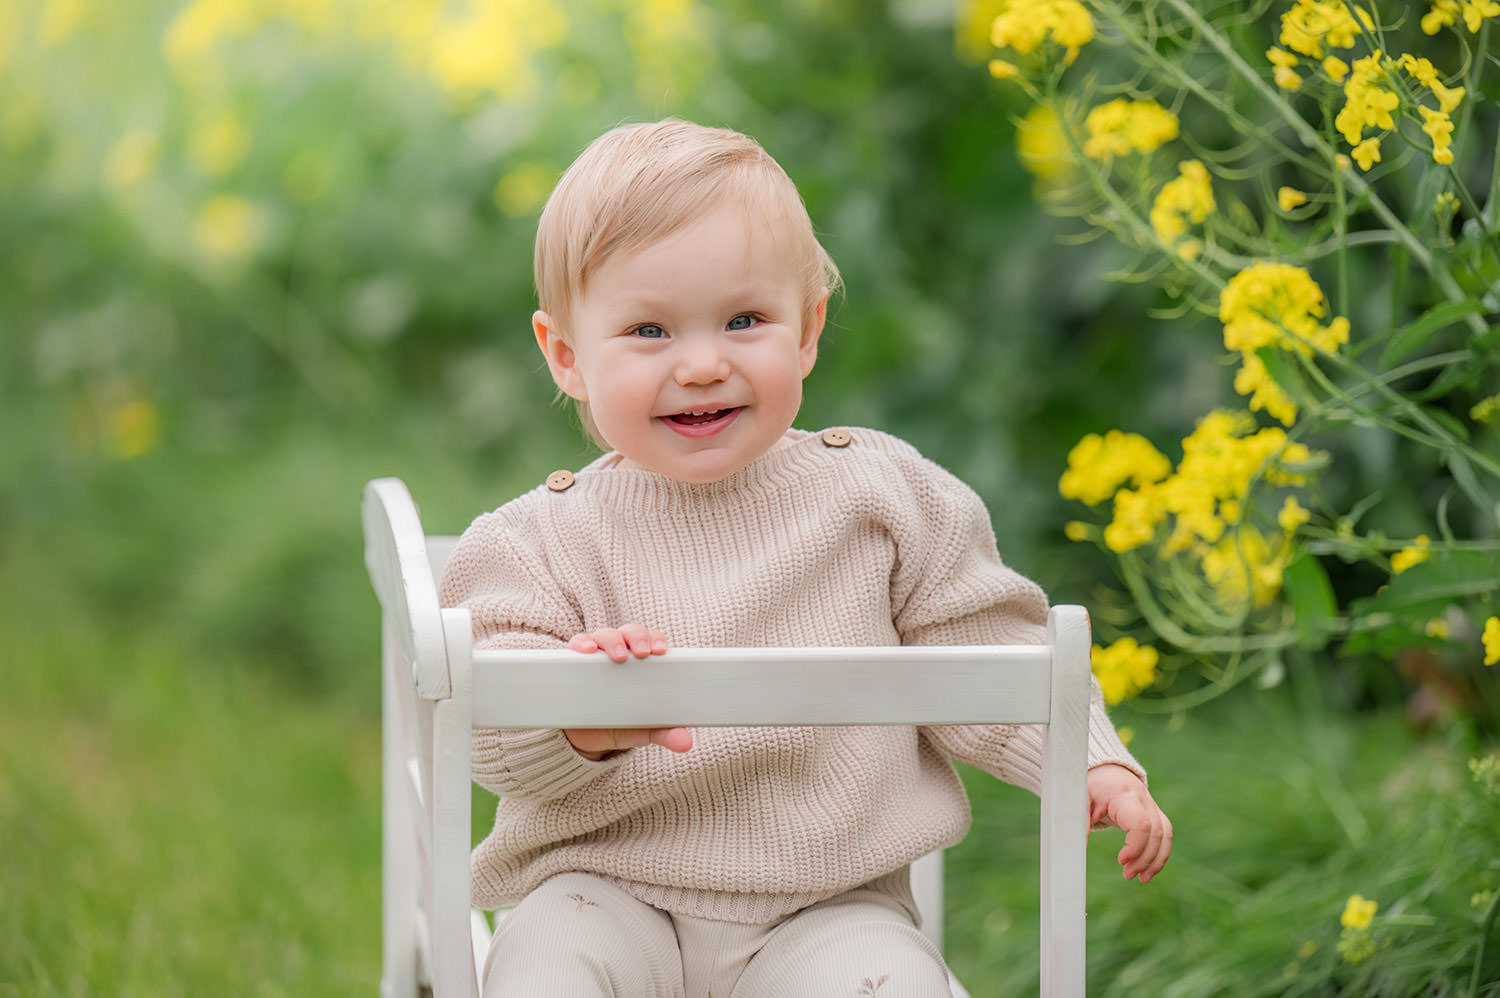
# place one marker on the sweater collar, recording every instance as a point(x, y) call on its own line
point(799, 455)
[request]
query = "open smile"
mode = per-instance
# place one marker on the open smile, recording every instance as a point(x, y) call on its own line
point(702, 422)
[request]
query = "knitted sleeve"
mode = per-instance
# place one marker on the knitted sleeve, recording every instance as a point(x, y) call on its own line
point(956, 590)
point(500, 573)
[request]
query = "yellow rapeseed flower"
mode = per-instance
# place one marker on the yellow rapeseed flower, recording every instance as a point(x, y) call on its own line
point(1124, 669)
point(1336, 68)
point(1367, 153)
point(1292, 515)
point(1277, 304)
point(1220, 460)
point(1097, 466)
point(134, 428)
point(1188, 197)
point(1137, 513)
point(1282, 62)
point(1077, 530)
point(1368, 100)
point(1023, 25)
point(1358, 912)
point(1243, 566)
point(1492, 641)
point(523, 189)
point(1122, 126)
point(1414, 555)
point(1438, 127)
point(59, 21)
point(1253, 380)
point(1288, 198)
point(219, 146)
point(229, 227)
point(1002, 70)
point(1309, 24)
point(1042, 147)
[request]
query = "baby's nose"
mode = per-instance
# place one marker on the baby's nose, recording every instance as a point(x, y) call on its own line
point(701, 364)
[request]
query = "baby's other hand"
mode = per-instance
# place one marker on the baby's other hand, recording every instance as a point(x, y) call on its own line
point(1118, 798)
point(619, 643)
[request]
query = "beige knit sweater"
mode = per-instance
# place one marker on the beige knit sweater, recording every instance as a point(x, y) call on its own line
point(813, 543)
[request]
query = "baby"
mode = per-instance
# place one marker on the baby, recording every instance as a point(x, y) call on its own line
point(682, 294)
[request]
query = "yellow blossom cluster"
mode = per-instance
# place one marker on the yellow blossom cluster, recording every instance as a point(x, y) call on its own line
point(1124, 669)
point(1275, 305)
point(1097, 466)
point(1245, 567)
point(1419, 552)
point(466, 49)
point(1221, 459)
point(1203, 499)
point(1368, 102)
point(1447, 12)
point(1122, 127)
point(1042, 147)
point(1492, 641)
point(1187, 198)
point(1358, 912)
point(1310, 24)
point(1023, 25)
point(1356, 945)
point(1438, 124)
point(1370, 97)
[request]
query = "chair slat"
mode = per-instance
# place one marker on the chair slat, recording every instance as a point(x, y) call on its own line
point(751, 686)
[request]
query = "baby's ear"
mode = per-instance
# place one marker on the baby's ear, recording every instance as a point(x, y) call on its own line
point(812, 328)
point(561, 360)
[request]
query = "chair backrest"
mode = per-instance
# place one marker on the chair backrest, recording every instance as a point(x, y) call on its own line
point(436, 689)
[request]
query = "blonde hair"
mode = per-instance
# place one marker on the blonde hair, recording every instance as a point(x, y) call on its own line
point(637, 184)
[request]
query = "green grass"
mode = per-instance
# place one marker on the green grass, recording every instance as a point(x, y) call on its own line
point(177, 823)
point(1280, 813)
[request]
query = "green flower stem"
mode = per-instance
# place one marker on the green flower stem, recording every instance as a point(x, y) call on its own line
point(1164, 625)
point(1137, 225)
point(1434, 435)
point(1179, 75)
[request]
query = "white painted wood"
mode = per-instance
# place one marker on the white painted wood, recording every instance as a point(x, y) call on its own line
point(750, 686)
point(927, 891)
point(1064, 825)
point(436, 689)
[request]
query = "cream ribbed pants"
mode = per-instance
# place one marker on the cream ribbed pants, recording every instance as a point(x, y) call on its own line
point(579, 936)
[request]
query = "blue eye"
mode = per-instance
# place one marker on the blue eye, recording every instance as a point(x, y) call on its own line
point(741, 322)
point(650, 331)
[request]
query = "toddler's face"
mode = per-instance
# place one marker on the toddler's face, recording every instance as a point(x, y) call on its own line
point(690, 351)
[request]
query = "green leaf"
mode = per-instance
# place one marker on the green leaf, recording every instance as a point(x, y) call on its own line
point(1284, 373)
point(1429, 587)
point(1395, 618)
point(1411, 338)
point(1314, 607)
point(1454, 376)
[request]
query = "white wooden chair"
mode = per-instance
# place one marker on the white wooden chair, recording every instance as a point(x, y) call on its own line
point(436, 688)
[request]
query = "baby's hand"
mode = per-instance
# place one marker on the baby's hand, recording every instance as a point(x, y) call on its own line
point(1118, 798)
point(619, 643)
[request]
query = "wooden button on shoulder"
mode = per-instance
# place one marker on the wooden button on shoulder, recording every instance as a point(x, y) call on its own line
point(560, 481)
point(837, 437)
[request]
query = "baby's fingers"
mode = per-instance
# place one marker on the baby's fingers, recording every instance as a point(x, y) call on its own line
point(1148, 844)
point(596, 743)
point(619, 643)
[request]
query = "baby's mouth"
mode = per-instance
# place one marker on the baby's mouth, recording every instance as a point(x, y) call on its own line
point(699, 423)
point(699, 417)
